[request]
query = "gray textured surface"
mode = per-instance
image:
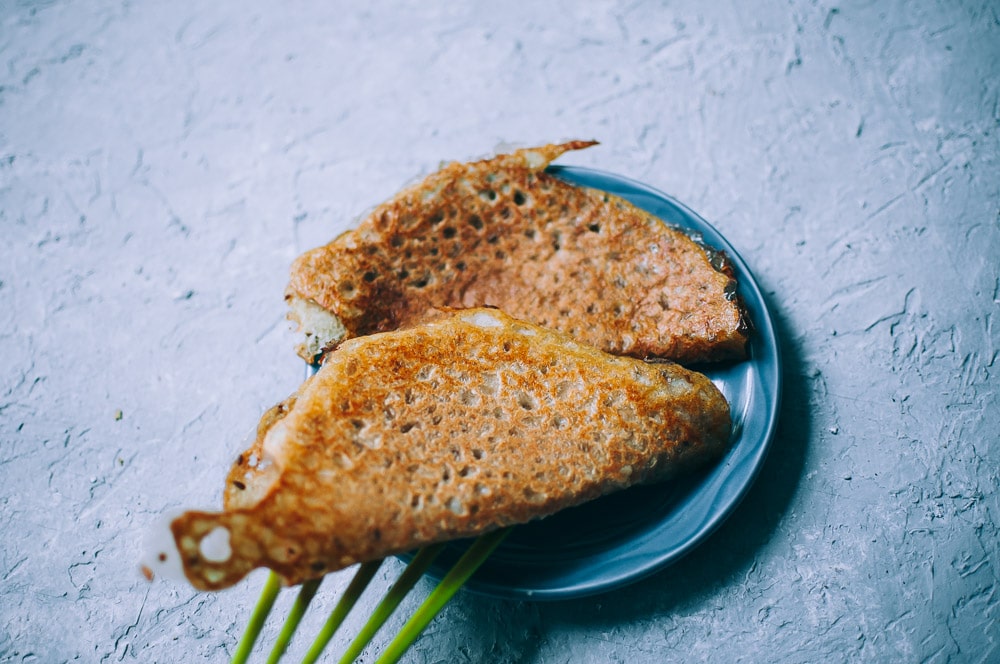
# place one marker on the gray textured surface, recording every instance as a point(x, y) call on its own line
point(162, 163)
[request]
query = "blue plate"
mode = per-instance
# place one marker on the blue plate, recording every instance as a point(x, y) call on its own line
point(622, 538)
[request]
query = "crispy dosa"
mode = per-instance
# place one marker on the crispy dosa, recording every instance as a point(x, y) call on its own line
point(504, 232)
point(451, 428)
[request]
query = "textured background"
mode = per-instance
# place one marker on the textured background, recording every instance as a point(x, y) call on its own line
point(161, 163)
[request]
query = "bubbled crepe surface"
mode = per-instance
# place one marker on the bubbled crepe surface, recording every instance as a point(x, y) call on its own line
point(503, 232)
point(448, 429)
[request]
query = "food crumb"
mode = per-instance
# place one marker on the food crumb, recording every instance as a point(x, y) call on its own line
point(119, 415)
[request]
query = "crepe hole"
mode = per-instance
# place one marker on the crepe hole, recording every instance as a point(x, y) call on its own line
point(559, 422)
point(500, 255)
point(434, 251)
point(482, 489)
point(346, 288)
point(506, 346)
point(530, 233)
point(594, 228)
point(505, 212)
point(519, 197)
point(556, 241)
point(404, 273)
point(466, 471)
point(476, 222)
point(423, 281)
point(526, 401)
point(446, 474)
point(416, 501)
point(449, 232)
point(436, 218)
point(533, 496)
point(478, 454)
point(317, 566)
point(490, 384)
point(370, 276)
point(460, 266)
point(239, 485)
point(473, 509)
point(455, 505)
point(396, 241)
point(408, 426)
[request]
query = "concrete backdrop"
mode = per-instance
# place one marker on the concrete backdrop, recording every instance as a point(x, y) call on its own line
point(161, 163)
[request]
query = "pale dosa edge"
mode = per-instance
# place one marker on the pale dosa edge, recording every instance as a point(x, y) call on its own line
point(503, 232)
point(448, 429)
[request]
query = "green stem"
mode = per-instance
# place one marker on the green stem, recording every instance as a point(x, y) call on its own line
point(257, 618)
point(396, 593)
point(305, 596)
point(459, 574)
point(357, 586)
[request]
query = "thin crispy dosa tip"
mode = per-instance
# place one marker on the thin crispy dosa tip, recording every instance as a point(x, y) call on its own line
point(191, 546)
point(539, 158)
point(204, 548)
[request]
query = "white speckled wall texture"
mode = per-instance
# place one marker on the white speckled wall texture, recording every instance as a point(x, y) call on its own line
point(161, 163)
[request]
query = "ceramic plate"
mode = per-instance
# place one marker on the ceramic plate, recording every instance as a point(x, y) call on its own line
point(624, 537)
